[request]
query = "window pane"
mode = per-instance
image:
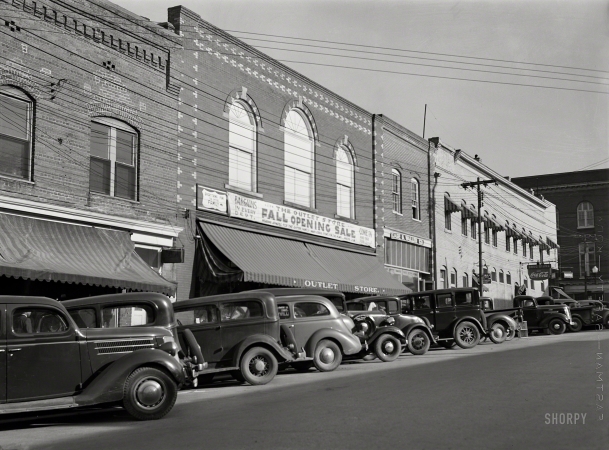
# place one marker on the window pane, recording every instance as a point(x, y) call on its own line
point(343, 201)
point(84, 318)
point(310, 309)
point(100, 140)
point(14, 157)
point(240, 310)
point(124, 185)
point(127, 316)
point(99, 176)
point(125, 145)
point(200, 315)
point(38, 320)
point(240, 169)
point(298, 153)
point(297, 187)
point(344, 173)
point(151, 256)
point(14, 117)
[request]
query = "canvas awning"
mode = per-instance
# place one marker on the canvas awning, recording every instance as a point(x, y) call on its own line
point(551, 243)
point(45, 250)
point(469, 213)
point(450, 206)
point(286, 262)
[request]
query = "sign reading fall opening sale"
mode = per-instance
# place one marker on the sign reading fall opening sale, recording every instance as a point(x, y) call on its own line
point(294, 219)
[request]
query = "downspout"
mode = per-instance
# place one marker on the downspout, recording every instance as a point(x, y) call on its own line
point(374, 183)
point(431, 211)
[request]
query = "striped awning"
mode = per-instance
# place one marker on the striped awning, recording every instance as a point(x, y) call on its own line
point(287, 262)
point(450, 206)
point(468, 212)
point(45, 250)
point(551, 243)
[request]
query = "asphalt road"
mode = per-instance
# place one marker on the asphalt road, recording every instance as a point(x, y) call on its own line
point(530, 393)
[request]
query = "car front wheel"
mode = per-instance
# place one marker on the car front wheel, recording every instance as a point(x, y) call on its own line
point(497, 333)
point(578, 325)
point(418, 342)
point(387, 348)
point(556, 326)
point(467, 335)
point(327, 356)
point(258, 366)
point(149, 393)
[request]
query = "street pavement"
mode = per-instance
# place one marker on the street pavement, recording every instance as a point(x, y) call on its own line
point(541, 392)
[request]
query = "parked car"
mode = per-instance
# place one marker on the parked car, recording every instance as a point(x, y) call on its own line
point(374, 329)
point(419, 336)
point(551, 319)
point(51, 363)
point(581, 315)
point(138, 309)
point(318, 330)
point(498, 321)
point(454, 315)
point(600, 314)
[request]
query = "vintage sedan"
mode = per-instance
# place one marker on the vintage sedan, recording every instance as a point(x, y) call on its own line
point(50, 363)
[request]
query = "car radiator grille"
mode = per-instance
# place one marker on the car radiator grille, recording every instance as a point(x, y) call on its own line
point(123, 346)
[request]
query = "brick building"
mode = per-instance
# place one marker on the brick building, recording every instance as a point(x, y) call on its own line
point(518, 229)
point(274, 171)
point(402, 174)
point(582, 210)
point(88, 158)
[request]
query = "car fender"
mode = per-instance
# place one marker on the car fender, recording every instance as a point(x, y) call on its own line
point(469, 319)
point(349, 343)
point(109, 385)
point(261, 340)
point(408, 328)
point(394, 331)
point(546, 319)
point(503, 319)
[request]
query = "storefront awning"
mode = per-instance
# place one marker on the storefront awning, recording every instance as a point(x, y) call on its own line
point(44, 250)
point(468, 212)
point(356, 272)
point(451, 206)
point(286, 262)
point(551, 243)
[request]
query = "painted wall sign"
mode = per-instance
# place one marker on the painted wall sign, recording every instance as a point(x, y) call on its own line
point(408, 238)
point(539, 271)
point(212, 200)
point(294, 219)
point(320, 284)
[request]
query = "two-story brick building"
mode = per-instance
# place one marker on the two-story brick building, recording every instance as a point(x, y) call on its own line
point(88, 158)
point(275, 171)
point(582, 210)
point(518, 229)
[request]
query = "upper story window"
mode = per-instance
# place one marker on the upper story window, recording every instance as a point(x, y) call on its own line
point(442, 281)
point(585, 215)
point(396, 190)
point(453, 278)
point(465, 280)
point(242, 147)
point(508, 278)
point(16, 113)
point(299, 161)
point(464, 223)
point(501, 278)
point(113, 169)
point(415, 193)
point(344, 183)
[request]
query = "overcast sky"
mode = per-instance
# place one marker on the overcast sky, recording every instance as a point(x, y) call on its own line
point(517, 130)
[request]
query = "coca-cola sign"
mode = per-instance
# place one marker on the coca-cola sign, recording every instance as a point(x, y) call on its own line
point(539, 271)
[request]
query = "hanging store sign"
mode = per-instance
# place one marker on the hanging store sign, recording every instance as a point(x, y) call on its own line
point(539, 271)
point(211, 200)
point(293, 219)
point(410, 239)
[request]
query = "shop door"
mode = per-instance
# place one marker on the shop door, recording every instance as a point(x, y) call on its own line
point(2, 353)
point(43, 355)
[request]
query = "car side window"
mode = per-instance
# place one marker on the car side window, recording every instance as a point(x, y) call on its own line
point(444, 301)
point(356, 307)
point(284, 311)
point(463, 298)
point(240, 310)
point(405, 306)
point(422, 302)
point(310, 309)
point(127, 316)
point(201, 314)
point(392, 307)
point(38, 321)
point(528, 303)
point(84, 317)
point(338, 302)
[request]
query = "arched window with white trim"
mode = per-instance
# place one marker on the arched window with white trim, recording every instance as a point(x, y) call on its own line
point(299, 160)
point(242, 147)
point(344, 183)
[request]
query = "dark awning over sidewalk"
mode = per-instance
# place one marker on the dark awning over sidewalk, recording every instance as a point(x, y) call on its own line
point(286, 262)
point(37, 249)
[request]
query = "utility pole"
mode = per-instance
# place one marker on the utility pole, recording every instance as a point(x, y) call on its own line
point(477, 184)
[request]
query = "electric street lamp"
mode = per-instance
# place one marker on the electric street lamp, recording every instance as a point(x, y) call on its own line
point(594, 271)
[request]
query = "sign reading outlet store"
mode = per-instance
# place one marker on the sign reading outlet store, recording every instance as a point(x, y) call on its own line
point(255, 210)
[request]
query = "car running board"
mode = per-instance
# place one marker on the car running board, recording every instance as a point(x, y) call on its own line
point(37, 405)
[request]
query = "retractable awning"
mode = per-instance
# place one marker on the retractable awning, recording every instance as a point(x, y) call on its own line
point(551, 243)
point(469, 213)
point(44, 250)
point(451, 206)
point(286, 262)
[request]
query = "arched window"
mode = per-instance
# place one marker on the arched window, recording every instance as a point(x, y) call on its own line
point(242, 147)
point(396, 190)
point(16, 113)
point(465, 280)
point(415, 193)
point(501, 276)
point(344, 183)
point(508, 278)
point(442, 281)
point(585, 215)
point(493, 274)
point(453, 278)
point(113, 163)
point(298, 160)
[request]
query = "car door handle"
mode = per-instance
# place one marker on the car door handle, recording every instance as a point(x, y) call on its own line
point(2, 350)
point(291, 326)
point(14, 349)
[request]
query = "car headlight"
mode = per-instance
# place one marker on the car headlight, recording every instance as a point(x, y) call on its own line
point(168, 339)
point(390, 320)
